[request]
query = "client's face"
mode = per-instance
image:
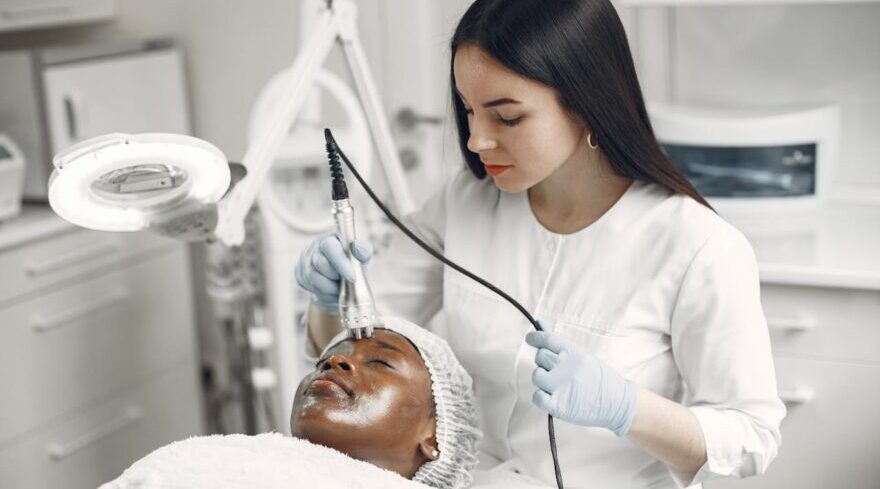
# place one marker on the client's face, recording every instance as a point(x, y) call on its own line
point(371, 399)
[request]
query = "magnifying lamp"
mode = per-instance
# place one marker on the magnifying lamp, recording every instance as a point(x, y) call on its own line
point(179, 186)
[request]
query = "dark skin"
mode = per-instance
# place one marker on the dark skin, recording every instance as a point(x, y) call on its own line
point(370, 399)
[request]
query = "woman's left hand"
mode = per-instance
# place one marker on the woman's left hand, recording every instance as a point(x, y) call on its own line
point(575, 386)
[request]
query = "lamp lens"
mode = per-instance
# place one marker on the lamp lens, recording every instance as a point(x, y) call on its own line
point(139, 181)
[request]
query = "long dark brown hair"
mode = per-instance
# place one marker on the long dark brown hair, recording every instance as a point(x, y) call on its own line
point(578, 48)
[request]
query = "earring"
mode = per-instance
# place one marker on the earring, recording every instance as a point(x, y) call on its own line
point(590, 142)
point(435, 453)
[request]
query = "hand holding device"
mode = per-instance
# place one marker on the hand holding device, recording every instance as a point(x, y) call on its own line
point(322, 266)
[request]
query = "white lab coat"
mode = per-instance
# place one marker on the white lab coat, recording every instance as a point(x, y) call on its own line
point(660, 288)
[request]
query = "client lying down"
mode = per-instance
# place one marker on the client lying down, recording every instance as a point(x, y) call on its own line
point(398, 401)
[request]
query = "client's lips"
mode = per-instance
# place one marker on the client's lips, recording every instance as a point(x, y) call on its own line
point(330, 379)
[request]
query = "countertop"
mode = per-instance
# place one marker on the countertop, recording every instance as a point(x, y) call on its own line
point(838, 246)
point(34, 222)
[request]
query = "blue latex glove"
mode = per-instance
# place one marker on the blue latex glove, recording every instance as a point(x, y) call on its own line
point(575, 386)
point(323, 264)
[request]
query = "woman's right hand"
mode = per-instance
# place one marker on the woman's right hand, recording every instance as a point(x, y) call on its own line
point(323, 264)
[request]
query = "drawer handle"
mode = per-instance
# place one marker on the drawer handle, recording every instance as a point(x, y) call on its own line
point(799, 395)
point(59, 451)
point(793, 324)
point(69, 259)
point(41, 325)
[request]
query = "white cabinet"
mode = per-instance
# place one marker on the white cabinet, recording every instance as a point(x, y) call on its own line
point(143, 91)
point(98, 362)
point(826, 346)
point(95, 446)
point(35, 14)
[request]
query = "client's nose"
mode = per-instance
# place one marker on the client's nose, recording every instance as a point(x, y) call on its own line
point(337, 362)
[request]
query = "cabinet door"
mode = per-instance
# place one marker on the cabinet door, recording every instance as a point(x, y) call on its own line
point(823, 323)
point(96, 445)
point(64, 259)
point(830, 436)
point(134, 93)
point(66, 349)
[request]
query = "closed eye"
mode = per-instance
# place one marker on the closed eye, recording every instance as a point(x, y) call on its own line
point(510, 122)
point(380, 361)
point(501, 120)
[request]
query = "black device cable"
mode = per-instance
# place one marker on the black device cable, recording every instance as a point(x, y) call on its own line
point(339, 189)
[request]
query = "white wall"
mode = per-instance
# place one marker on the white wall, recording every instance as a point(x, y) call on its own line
point(779, 55)
point(232, 47)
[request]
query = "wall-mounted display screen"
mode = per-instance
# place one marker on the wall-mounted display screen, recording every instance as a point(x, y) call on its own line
point(751, 171)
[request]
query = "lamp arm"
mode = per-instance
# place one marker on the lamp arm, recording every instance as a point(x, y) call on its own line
point(233, 208)
point(336, 22)
point(389, 158)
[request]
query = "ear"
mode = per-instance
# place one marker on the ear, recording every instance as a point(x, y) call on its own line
point(428, 444)
point(428, 447)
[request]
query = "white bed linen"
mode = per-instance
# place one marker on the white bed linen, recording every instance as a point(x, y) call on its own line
point(267, 461)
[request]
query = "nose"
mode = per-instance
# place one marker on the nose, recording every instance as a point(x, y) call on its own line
point(480, 138)
point(338, 362)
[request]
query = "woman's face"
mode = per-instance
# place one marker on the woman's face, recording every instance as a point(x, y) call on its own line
point(517, 125)
point(371, 399)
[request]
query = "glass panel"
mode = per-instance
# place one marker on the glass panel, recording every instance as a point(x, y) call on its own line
point(759, 171)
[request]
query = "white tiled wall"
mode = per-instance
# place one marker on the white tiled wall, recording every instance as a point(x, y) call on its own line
point(754, 56)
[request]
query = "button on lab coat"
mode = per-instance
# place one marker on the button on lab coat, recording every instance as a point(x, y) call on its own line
point(660, 288)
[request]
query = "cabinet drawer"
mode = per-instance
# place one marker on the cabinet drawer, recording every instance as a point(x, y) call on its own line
point(818, 322)
point(68, 255)
point(69, 347)
point(96, 446)
point(829, 439)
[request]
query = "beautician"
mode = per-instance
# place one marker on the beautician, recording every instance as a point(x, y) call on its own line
point(656, 355)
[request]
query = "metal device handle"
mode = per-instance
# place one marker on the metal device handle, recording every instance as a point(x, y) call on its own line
point(357, 308)
point(347, 233)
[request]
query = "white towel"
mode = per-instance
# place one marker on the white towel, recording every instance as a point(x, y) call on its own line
point(268, 461)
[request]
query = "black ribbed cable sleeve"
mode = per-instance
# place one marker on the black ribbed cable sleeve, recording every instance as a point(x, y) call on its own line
point(339, 190)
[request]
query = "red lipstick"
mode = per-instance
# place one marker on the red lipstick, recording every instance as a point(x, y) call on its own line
point(496, 170)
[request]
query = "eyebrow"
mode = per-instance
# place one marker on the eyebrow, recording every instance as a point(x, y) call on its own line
point(380, 343)
point(388, 346)
point(496, 102)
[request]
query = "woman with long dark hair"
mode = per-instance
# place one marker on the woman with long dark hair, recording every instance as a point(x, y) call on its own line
point(656, 351)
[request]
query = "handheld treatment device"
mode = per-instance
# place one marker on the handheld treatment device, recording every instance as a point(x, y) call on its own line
point(356, 305)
